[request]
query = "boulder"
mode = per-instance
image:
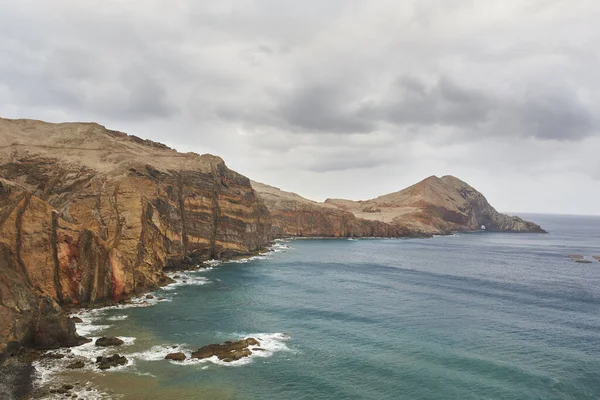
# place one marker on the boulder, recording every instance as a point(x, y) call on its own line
point(109, 341)
point(176, 356)
point(77, 320)
point(227, 351)
point(76, 365)
point(149, 296)
point(111, 362)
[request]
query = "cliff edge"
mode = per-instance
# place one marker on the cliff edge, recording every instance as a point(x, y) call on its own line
point(294, 215)
point(437, 206)
point(90, 215)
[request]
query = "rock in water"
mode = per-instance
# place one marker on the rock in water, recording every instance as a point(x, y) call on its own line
point(109, 341)
point(176, 356)
point(77, 320)
point(111, 362)
point(76, 365)
point(228, 351)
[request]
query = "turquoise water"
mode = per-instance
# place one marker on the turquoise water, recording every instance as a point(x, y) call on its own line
point(473, 316)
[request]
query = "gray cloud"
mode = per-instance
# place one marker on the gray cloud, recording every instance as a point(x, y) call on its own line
point(323, 109)
point(344, 98)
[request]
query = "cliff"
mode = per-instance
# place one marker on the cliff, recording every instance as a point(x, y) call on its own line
point(436, 206)
point(29, 313)
point(91, 215)
point(294, 215)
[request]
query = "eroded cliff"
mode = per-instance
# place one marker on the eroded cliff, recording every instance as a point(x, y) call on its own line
point(294, 215)
point(99, 213)
point(437, 205)
point(29, 274)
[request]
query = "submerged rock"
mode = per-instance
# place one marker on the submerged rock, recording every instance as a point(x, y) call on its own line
point(111, 362)
point(228, 351)
point(149, 296)
point(109, 341)
point(176, 356)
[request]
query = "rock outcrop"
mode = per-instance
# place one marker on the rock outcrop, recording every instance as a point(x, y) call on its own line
point(90, 215)
point(228, 351)
point(294, 215)
point(29, 312)
point(436, 206)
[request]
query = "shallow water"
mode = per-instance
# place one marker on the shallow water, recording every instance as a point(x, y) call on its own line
point(472, 316)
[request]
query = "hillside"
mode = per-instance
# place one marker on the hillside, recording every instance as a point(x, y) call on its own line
point(436, 205)
point(294, 215)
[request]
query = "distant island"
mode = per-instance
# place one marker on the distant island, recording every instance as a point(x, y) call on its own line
point(91, 216)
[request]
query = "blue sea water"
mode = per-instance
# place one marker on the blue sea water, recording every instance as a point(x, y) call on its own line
point(470, 316)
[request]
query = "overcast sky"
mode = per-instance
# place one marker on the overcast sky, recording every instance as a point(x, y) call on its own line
point(331, 98)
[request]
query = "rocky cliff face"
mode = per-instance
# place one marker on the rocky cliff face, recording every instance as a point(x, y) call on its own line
point(437, 205)
point(92, 215)
point(293, 215)
point(29, 313)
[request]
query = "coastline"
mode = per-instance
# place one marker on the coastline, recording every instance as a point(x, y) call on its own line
point(26, 381)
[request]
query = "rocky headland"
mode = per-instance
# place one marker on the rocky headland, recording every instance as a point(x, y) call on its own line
point(91, 216)
point(436, 206)
point(294, 215)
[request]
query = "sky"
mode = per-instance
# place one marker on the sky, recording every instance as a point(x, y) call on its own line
point(331, 98)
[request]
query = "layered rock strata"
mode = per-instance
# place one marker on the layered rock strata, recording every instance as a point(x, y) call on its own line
point(294, 215)
point(90, 215)
point(436, 206)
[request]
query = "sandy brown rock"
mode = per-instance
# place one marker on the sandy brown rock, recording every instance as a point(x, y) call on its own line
point(29, 313)
point(294, 215)
point(89, 215)
point(436, 205)
point(76, 365)
point(228, 351)
point(176, 356)
point(109, 341)
point(111, 362)
point(126, 207)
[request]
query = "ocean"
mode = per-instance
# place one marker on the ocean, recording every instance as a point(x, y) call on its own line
point(468, 316)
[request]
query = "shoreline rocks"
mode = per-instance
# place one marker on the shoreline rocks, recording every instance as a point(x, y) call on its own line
point(228, 351)
point(109, 341)
point(76, 365)
point(179, 356)
point(113, 361)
